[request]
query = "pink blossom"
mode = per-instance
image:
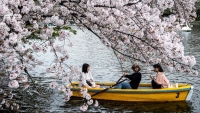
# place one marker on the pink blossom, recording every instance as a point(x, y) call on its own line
point(48, 70)
point(35, 25)
point(68, 91)
point(25, 32)
point(25, 10)
point(75, 70)
point(36, 47)
point(23, 79)
point(195, 73)
point(13, 76)
point(17, 16)
point(96, 103)
point(59, 22)
point(13, 38)
point(44, 50)
point(45, 10)
point(13, 84)
point(64, 11)
point(62, 88)
point(65, 79)
point(14, 2)
point(54, 18)
point(87, 96)
point(67, 98)
point(84, 107)
point(64, 33)
point(40, 62)
point(90, 102)
point(53, 85)
point(4, 10)
point(83, 91)
point(49, 32)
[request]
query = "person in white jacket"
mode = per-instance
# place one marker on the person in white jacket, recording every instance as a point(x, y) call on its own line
point(86, 78)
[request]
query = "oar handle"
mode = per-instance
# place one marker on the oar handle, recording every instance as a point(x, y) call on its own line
point(120, 78)
point(108, 88)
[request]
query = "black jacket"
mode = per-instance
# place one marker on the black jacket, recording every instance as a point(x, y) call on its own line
point(135, 79)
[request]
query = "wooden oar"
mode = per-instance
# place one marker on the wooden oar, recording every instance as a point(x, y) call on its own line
point(109, 87)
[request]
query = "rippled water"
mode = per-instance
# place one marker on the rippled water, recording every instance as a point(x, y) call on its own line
point(87, 48)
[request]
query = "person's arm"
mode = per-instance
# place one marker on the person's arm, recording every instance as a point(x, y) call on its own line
point(92, 80)
point(83, 82)
point(159, 79)
point(132, 77)
point(125, 75)
point(153, 78)
point(91, 77)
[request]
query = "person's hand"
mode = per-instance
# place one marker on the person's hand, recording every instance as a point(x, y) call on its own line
point(152, 77)
point(124, 74)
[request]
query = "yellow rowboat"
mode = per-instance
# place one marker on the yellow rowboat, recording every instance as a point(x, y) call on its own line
point(144, 93)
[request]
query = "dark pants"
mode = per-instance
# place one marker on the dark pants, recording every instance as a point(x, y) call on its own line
point(155, 85)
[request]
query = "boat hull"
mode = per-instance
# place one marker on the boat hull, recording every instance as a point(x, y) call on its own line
point(143, 94)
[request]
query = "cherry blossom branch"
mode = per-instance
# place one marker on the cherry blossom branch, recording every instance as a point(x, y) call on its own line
point(155, 49)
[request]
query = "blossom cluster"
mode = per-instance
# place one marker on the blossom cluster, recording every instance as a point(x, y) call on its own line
point(138, 29)
point(87, 100)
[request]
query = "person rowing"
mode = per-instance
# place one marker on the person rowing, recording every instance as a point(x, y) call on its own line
point(135, 79)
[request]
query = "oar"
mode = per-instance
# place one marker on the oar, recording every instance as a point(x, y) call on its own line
point(120, 78)
point(109, 87)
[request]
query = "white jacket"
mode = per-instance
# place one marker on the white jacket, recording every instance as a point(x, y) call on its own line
point(86, 76)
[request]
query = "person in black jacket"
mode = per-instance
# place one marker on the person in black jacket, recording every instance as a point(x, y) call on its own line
point(135, 79)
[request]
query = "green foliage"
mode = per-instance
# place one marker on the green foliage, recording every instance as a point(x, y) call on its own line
point(35, 34)
point(197, 19)
point(61, 92)
point(73, 31)
point(36, 1)
point(167, 13)
point(55, 33)
point(70, 29)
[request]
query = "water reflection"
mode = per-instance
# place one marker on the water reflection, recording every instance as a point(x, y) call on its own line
point(137, 107)
point(145, 107)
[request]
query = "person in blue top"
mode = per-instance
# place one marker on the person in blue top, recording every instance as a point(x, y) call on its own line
point(135, 79)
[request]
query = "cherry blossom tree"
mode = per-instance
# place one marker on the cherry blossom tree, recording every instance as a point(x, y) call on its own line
point(134, 29)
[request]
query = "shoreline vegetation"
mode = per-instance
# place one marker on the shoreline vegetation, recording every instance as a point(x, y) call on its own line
point(195, 23)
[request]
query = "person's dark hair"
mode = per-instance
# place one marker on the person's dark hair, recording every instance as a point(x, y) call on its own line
point(134, 67)
point(159, 67)
point(84, 67)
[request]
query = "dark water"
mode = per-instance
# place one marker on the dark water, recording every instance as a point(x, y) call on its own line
point(105, 67)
